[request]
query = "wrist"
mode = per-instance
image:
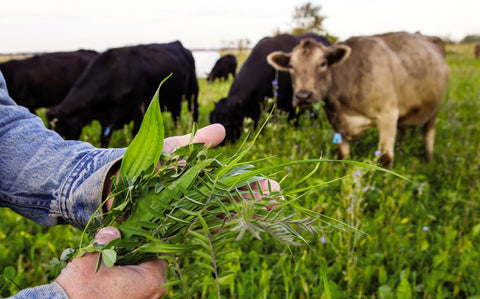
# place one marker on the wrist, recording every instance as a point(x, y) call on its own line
point(107, 186)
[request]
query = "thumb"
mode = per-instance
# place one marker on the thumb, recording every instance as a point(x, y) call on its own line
point(106, 234)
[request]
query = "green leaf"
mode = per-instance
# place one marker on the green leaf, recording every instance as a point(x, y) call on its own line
point(158, 247)
point(404, 290)
point(385, 292)
point(9, 272)
point(67, 254)
point(109, 257)
point(146, 148)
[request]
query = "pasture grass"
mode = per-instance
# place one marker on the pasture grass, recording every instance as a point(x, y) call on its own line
point(419, 238)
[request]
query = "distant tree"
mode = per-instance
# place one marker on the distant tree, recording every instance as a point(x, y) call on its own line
point(307, 18)
point(243, 44)
point(240, 44)
point(472, 38)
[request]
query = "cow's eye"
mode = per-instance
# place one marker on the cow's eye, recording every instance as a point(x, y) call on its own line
point(323, 64)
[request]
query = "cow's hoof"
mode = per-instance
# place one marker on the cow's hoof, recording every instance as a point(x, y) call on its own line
point(386, 161)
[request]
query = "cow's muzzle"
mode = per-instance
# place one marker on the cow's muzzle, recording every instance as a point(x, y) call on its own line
point(302, 98)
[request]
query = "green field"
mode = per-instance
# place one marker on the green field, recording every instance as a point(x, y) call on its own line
point(421, 238)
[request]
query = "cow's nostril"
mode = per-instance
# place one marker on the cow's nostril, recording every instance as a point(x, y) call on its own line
point(303, 95)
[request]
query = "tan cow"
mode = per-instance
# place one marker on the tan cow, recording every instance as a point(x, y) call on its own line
point(477, 51)
point(384, 81)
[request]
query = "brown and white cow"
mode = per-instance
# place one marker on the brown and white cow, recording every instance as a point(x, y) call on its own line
point(384, 81)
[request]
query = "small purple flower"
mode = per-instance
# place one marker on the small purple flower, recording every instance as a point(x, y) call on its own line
point(357, 174)
point(425, 228)
point(275, 84)
point(291, 157)
point(275, 94)
point(372, 188)
point(365, 190)
point(354, 199)
point(323, 240)
point(378, 153)
point(457, 159)
point(296, 145)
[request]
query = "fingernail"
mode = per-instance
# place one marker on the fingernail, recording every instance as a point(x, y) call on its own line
point(109, 231)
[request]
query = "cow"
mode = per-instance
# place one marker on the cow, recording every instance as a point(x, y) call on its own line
point(386, 81)
point(253, 83)
point(44, 79)
point(477, 51)
point(118, 85)
point(224, 66)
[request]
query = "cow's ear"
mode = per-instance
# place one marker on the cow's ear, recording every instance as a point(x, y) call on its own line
point(338, 54)
point(279, 60)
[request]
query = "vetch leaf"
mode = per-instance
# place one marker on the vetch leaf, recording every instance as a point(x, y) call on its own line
point(109, 257)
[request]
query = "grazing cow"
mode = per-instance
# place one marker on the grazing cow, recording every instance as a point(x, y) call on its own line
point(477, 51)
point(118, 85)
point(384, 81)
point(224, 66)
point(253, 84)
point(44, 80)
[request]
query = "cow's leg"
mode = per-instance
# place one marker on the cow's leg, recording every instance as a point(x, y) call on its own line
point(429, 135)
point(194, 106)
point(387, 130)
point(343, 149)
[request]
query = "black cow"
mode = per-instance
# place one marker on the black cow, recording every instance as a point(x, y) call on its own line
point(45, 79)
point(118, 85)
point(254, 83)
point(224, 66)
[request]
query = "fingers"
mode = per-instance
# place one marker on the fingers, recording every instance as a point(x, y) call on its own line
point(212, 134)
point(107, 234)
point(265, 186)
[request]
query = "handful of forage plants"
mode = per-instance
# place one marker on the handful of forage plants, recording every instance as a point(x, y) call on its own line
point(185, 203)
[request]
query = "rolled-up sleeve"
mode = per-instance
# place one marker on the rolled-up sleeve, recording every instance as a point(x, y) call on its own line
point(43, 177)
point(48, 291)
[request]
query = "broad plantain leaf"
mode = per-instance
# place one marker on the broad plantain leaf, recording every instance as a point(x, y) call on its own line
point(146, 148)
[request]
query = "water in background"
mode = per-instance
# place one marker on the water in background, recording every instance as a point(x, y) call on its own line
point(204, 62)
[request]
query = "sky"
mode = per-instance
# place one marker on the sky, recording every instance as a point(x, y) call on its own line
point(64, 25)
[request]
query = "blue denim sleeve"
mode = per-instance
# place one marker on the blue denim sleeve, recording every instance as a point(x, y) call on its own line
point(43, 177)
point(47, 291)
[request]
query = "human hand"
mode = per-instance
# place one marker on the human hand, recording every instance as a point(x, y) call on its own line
point(79, 279)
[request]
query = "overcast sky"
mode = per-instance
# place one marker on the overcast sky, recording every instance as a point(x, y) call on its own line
point(61, 25)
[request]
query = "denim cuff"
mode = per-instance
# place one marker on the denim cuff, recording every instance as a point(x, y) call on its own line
point(47, 291)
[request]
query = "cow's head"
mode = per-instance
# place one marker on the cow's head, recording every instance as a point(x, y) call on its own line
point(309, 64)
point(230, 115)
point(70, 129)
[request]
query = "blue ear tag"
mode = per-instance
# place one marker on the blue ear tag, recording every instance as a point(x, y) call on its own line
point(337, 138)
point(106, 132)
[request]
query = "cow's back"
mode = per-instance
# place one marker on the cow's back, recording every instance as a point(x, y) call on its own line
point(44, 80)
